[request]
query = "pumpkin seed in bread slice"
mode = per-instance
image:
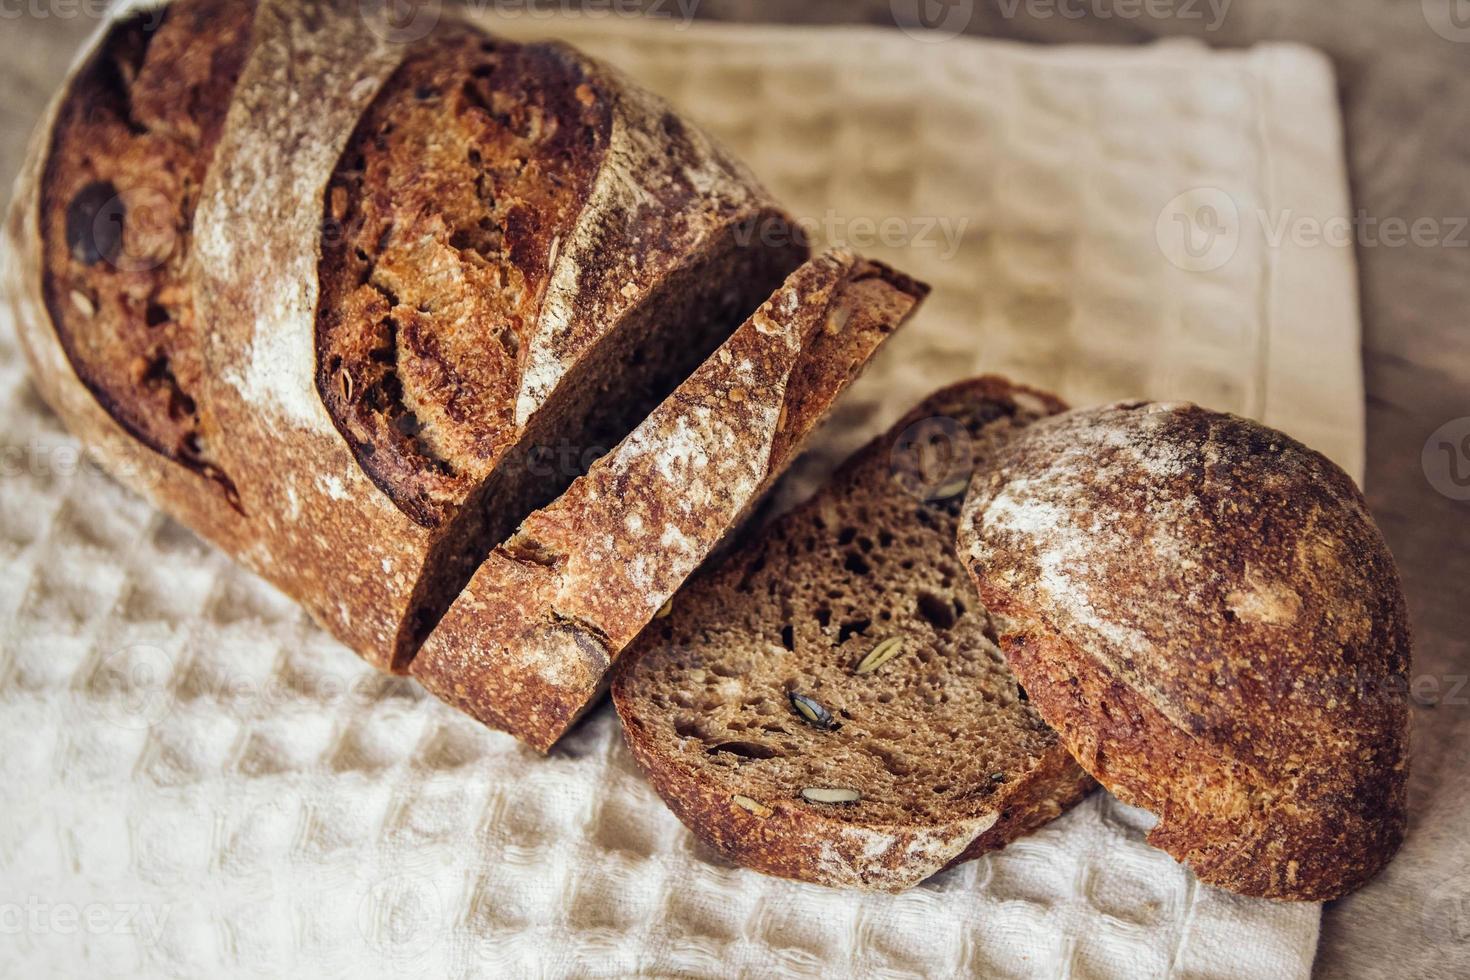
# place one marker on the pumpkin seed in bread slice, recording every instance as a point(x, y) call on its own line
point(827, 704)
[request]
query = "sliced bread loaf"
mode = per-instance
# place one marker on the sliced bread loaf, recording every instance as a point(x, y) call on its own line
point(526, 646)
point(828, 704)
point(336, 301)
point(1205, 610)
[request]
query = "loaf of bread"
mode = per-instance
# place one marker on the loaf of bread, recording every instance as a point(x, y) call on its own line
point(828, 704)
point(1206, 612)
point(526, 647)
point(335, 302)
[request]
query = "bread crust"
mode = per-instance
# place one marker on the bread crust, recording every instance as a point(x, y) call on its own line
point(189, 494)
point(1205, 611)
point(128, 152)
point(791, 839)
point(526, 647)
point(309, 518)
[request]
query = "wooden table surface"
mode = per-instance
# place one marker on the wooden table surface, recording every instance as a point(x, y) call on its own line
point(1404, 70)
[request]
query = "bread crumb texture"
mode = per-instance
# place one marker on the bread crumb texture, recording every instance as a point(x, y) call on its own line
point(838, 672)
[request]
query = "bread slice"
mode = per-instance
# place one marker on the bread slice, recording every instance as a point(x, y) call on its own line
point(526, 647)
point(828, 704)
point(1206, 612)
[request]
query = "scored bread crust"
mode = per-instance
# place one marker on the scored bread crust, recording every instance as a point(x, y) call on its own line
point(789, 837)
point(526, 646)
point(1205, 611)
point(665, 210)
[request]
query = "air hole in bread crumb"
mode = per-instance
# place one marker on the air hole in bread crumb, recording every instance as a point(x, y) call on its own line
point(788, 637)
point(845, 536)
point(745, 750)
point(856, 564)
point(824, 617)
point(686, 727)
point(937, 610)
point(852, 626)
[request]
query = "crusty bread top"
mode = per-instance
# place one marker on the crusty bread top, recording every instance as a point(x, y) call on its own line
point(1205, 610)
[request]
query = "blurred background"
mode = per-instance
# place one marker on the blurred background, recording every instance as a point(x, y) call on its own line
point(1403, 68)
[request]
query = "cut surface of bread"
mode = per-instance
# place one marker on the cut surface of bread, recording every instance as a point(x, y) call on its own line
point(129, 151)
point(525, 648)
point(827, 704)
point(446, 215)
point(1205, 611)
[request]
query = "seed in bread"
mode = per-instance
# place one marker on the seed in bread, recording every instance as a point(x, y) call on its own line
point(1206, 612)
point(855, 602)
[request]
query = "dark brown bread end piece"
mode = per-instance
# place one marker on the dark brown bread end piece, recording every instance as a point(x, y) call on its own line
point(129, 149)
point(1206, 612)
point(949, 758)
